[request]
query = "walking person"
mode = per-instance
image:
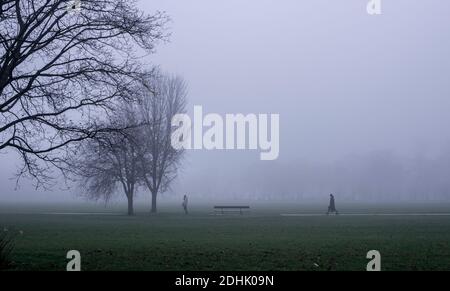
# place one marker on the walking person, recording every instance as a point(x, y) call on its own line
point(332, 206)
point(185, 204)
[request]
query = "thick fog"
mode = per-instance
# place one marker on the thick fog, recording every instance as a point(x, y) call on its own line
point(364, 101)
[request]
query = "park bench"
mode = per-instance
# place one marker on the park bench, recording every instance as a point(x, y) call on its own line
point(229, 208)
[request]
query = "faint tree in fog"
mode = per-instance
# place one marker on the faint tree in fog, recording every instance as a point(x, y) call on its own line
point(110, 160)
point(141, 152)
point(159, 161)
point(60, 69)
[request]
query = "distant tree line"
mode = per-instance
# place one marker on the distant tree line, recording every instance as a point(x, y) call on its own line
point(375, 176)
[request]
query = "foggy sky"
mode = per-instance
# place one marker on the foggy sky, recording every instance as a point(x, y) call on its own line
point(347, 86)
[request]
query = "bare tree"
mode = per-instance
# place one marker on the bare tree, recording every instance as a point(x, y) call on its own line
point(159, 161)
point(110, 160)
point(140, 153)
point(60, 69)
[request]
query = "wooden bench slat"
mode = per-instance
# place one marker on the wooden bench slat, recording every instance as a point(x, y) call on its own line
point(231, 207)
point(225, 207)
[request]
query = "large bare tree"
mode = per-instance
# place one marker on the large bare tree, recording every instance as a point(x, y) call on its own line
point(61, 68)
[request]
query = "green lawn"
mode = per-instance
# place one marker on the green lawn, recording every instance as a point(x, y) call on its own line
point(260, 240)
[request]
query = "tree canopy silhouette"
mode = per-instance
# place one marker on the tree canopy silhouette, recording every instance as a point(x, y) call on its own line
point(60, 70)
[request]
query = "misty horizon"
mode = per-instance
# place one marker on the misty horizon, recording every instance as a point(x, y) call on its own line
point(363, 101)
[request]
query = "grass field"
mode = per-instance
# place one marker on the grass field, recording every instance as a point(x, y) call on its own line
point(259, 240)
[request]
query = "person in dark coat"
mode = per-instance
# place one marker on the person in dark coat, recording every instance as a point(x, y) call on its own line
point(332, 206)
point(185, 204)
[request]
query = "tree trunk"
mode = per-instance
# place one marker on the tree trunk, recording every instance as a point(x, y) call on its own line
point(154, 202)
point(130, 205)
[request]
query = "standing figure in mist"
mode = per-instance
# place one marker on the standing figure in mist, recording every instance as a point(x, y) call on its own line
point(185, 204)
point(332, 206)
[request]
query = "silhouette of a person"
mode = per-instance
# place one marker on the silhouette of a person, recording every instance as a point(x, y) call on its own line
point(332, 206)
point(185, 204)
